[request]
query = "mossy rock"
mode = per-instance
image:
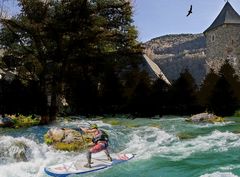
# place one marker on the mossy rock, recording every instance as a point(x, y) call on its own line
point(217, 119)
point(67, 139)
point(205, 118)
point(6, 122)
point(48, 140)
point(184, 136)
point(75, 146)
point(24, 121)
point(156, 125)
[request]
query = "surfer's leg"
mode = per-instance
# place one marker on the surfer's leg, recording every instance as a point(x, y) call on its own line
point(88, 165)
point(107, 152)
point(96, 148)
point(108, 155)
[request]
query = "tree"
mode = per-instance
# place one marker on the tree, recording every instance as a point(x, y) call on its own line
point(228, 72)
point(158, 98)
point(207, 88)
point(136, 93)
point(49, 38)
point(182, 95)
point(110, 90)
point(224, 99)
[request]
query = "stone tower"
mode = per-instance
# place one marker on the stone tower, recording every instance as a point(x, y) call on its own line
point(223, 39)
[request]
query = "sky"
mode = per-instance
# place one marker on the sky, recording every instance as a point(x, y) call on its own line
point(154, 18)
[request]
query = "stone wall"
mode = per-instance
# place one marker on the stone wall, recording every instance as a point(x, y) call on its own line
point(223, 44)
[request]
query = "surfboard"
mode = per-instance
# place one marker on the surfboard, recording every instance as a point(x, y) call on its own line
point(77, 167)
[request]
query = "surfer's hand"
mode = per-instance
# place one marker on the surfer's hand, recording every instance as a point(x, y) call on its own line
point(83, 129)
point(91, 145)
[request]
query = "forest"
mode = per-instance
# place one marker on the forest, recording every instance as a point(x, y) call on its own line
point(82, 57)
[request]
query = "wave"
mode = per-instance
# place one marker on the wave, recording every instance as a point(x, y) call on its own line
point(22, 157)
point(18, 149)
point(220, 174)
point(216, 124)
point(149, 141)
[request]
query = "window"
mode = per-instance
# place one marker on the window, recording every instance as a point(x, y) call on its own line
point(213, 38)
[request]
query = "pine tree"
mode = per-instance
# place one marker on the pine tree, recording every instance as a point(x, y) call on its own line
point(228, 72)
point(223, 101)
point(206, 89)
point(224, 98)
point(158, 97)
point(182, 95)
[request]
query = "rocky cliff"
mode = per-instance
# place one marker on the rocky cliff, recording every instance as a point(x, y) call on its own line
point(176, 53)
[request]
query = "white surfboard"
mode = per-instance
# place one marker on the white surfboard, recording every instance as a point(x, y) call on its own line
point(77, 167)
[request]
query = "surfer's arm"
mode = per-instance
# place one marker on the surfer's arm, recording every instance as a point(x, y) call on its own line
point(86, 130)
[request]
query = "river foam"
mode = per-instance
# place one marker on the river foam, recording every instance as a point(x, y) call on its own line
point(37, 155)
point(149, 141)
point(219, 174)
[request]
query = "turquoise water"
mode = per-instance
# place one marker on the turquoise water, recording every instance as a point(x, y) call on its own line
point(166, 147)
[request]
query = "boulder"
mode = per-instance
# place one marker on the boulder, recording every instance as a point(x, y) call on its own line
point(56, 134)
point(205, 118)
point(14, 151)
point(6, 122)
point(19, 151)
point(67, 139)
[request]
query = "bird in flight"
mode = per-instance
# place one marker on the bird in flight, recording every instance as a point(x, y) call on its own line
point(190, 11)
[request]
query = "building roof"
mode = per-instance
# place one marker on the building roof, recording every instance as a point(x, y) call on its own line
point(227, 16)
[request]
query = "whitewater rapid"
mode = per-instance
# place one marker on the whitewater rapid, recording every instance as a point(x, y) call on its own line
point(25, 155)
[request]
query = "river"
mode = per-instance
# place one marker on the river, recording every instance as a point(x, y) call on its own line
point(165, 147)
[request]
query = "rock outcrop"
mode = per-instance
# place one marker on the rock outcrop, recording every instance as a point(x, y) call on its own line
point(176, 53)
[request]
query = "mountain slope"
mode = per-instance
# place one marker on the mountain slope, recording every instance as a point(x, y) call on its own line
point(175, 53)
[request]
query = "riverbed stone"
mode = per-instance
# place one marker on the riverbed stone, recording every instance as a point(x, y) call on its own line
point(205, 118)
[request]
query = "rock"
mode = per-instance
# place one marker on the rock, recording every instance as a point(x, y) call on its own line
point(19, 151)
point(14, 151)
point(67, 139)
point(205, 118)
point(6, 122)
point(176, 53)
point(57, 134)
point(184, 136)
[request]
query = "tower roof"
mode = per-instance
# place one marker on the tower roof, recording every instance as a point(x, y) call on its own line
point(227, 16)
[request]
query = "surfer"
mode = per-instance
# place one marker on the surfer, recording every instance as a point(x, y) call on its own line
point(100, 143)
